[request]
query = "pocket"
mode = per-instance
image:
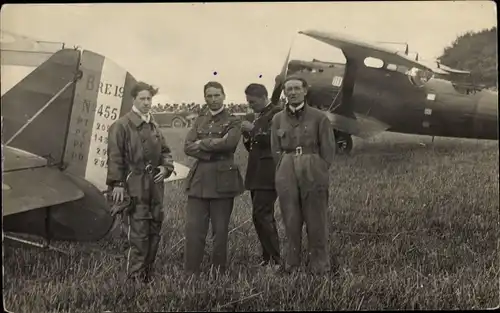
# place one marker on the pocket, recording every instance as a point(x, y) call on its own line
point(285, 136)
point(228, 178)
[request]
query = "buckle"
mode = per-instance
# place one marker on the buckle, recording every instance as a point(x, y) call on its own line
point(148, 169)
point(298, 151)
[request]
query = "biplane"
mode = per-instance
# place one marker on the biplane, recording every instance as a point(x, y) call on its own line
point(381, 89)
point(55, 122)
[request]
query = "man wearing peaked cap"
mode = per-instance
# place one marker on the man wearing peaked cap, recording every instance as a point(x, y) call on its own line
point(259, 177)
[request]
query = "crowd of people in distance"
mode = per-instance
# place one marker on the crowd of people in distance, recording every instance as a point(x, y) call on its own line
point(196, 107)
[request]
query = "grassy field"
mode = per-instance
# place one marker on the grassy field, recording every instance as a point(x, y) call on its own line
point(412, 227)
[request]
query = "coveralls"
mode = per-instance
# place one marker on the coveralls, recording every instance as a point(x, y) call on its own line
point(134, 149)
point(303, 147)
point(211, 185)
point(259, 180)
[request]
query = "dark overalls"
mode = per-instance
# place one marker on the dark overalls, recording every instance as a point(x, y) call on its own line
point(211, 185)
point(135, 149)
point(259, 180)
point(303, 146)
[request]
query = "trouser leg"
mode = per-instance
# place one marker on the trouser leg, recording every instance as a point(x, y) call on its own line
point(265, 224)
point(138, 238)
point(154, 235)
point(289, 200)
point(315, 211)
point(197, 218)
point(220, 214)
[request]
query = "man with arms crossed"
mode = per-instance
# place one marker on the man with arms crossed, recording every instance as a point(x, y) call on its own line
point(213, 182)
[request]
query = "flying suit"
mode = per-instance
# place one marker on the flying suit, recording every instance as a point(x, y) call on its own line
point(259, 180)
point(211, 185)
point(303, 146)
point(135, 149)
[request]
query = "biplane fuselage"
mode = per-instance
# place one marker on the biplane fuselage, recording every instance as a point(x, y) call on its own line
point(395, 94)
point(388, 96)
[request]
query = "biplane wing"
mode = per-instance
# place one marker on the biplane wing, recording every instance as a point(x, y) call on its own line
point(356, 51)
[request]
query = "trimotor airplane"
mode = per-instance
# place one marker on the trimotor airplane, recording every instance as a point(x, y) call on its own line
point(55, 123)
point(380, 89)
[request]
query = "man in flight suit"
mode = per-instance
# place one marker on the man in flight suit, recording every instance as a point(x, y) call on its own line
point(259, 177)
point(302, 144)
point(214, 180)
point(139, 160)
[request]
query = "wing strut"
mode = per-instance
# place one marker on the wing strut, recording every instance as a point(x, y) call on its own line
point(36, 244)
point(77, 77)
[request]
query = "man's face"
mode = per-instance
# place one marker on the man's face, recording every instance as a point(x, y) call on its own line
point(257, 103)
point(214, 98)
point(295, 92)
point(143, 101)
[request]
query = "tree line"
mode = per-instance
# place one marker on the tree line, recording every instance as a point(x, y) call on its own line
point(475, 52)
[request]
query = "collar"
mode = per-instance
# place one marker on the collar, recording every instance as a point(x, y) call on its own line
point(214, 113)
point(258, 114)
point(297, 108)
point(145, 117)
point(137, 120)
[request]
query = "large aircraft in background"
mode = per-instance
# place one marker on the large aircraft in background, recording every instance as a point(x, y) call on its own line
point(57, 106)
point(381, 89)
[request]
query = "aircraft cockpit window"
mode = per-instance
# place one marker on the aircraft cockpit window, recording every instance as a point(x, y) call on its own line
point(392, 67)
point(419, 77)
point(373, 62)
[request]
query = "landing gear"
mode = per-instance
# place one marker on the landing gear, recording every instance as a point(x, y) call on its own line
point(344, 142)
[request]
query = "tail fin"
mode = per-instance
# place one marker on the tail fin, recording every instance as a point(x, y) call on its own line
point(101, 97)
point(45, 135)
point(73, 129)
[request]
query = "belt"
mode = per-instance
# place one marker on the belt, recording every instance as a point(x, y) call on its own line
point(220, 157)
point(301, 150)
point(148, 169)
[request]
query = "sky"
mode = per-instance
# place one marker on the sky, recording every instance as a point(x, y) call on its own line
point(179, 46)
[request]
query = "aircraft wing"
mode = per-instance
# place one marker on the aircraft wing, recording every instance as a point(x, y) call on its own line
point(29, 184)
point(358, 49)
point(181, 172)
point(21, 50)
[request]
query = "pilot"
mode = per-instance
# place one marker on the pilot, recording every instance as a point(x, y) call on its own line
point(139, 160)
point(302, 143)
point(213, 182)
point(259, 179)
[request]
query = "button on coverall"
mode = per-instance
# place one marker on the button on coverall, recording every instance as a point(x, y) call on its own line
point(211, 185)
point(132, 145)
point(302, 181)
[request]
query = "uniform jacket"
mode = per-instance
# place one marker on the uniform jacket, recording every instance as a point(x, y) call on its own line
point(311, 130)
point(133, 144)
point(214, 173)
point(260, 167)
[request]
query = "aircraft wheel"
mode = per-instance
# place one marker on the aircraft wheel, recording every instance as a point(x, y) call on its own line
point(344, 143)
point(177, 123)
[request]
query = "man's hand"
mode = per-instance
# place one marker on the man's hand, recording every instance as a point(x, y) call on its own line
point(118, 194)
point(161, 174)
point(246, 126)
